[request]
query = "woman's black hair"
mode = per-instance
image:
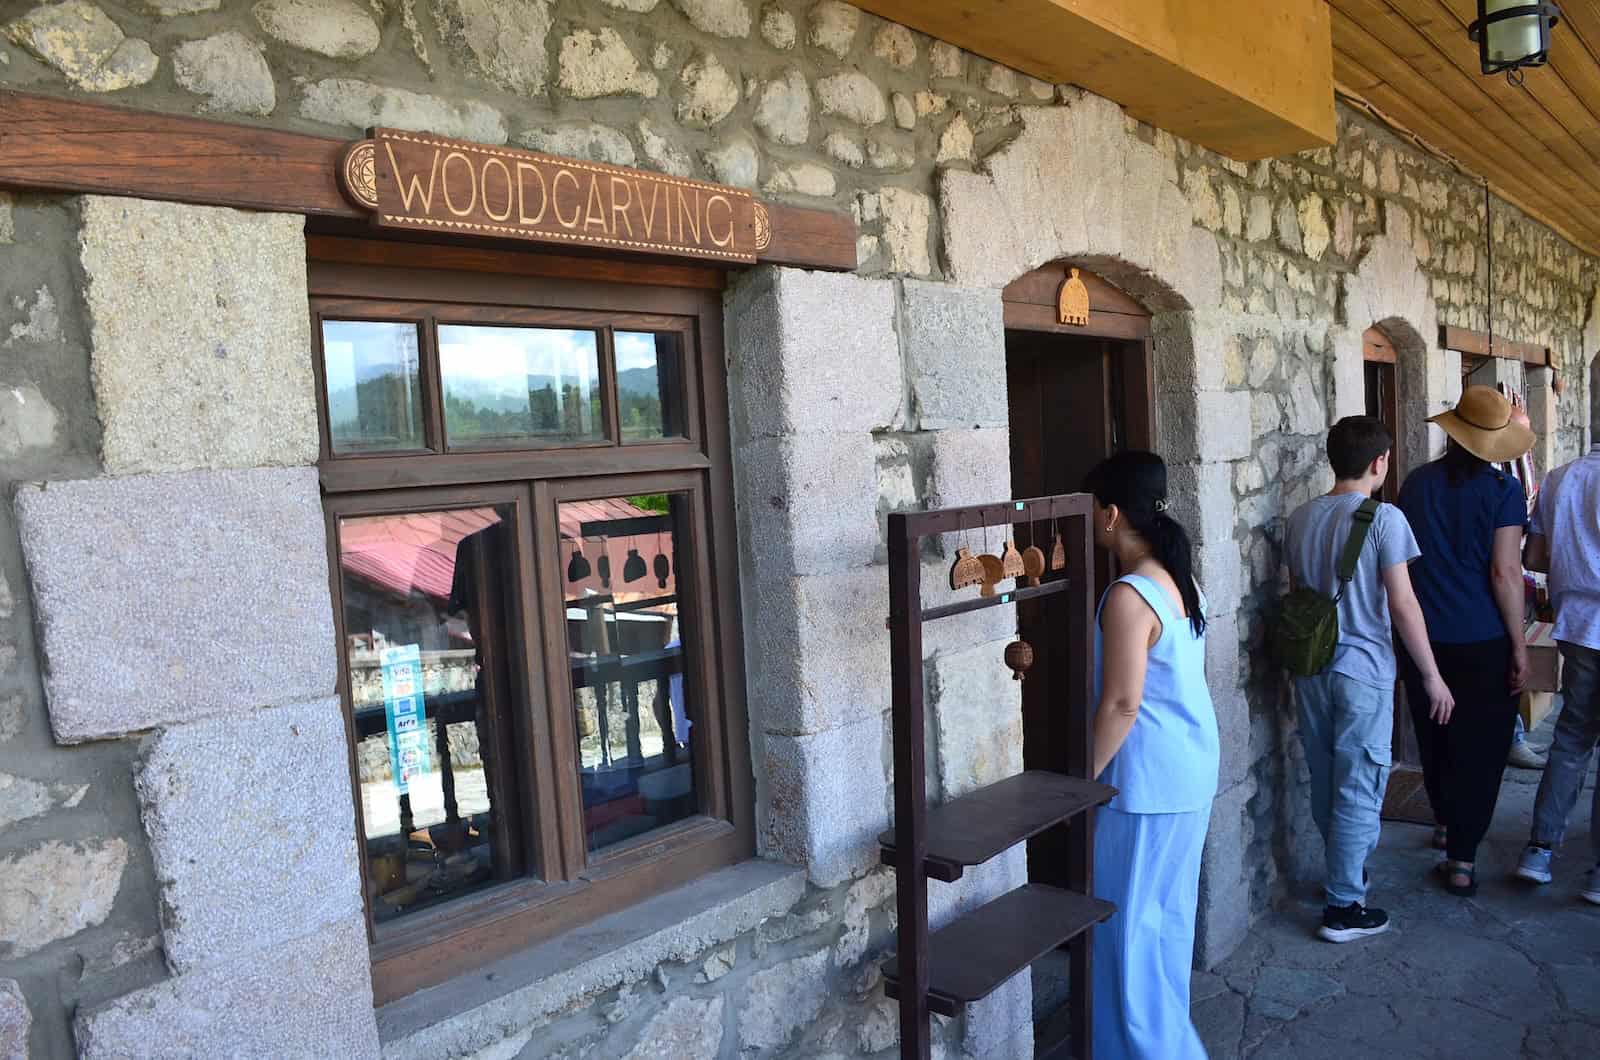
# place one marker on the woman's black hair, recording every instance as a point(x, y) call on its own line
point(1460, 465)
point(1136, 482)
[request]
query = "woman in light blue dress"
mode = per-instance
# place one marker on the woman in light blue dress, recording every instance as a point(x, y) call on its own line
point(1155, 741)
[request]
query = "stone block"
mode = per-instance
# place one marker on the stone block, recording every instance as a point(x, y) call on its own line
point(907, 220)
point(954, 344)
point(1228, 697)
point(779, 1001)
point(599, 64)
point(721, 18)
point(970, 467)
point(15, 1020)
point(817, 651)
point(503, 43)
point(1219, 567)
point(339, 29)
point(1202, 499)
point(686, 1027)
point(827, 798)
point(976, 710)
point(1223, 915)
point(1000, 1027)
point(813, 353)
point(308, 998)
point(229, 70)
point(271, 790)
point(978, 886)
point(210, 367)
point(1205, 425)
point(834, 26)
point(57, 890)
point(166, 598)
point(360, 105)
point(811, 500)
point(82, 41)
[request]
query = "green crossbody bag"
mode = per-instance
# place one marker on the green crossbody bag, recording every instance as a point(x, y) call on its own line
point(1307, 630)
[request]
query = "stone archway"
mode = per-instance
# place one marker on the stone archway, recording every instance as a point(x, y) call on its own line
point(1388, 291)
point(1078, 185)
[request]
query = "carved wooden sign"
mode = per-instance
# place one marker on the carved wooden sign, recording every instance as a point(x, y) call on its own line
point(417, 181)
point(1072, 301)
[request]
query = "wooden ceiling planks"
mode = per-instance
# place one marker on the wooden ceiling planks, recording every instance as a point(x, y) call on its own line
point(1445, 123)
point(1538, 146)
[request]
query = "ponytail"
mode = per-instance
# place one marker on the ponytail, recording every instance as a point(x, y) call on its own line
point(1170, 544)
point(1136, 482)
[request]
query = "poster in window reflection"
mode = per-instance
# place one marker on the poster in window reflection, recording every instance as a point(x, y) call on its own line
point(628, 642)
point(423, 589)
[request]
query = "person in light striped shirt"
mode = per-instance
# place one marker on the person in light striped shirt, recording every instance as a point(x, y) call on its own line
point(1564, 540)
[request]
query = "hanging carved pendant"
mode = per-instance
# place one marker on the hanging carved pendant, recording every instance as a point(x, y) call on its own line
point(1072, 301)
point(1058, 554)
point(1011, 560)
point(1019, 656)
point(662, 568)
point(1033, 564)
point(993, 573)
point(966, 570)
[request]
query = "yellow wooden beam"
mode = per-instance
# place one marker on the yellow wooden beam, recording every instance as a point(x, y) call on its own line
point(1250, 80)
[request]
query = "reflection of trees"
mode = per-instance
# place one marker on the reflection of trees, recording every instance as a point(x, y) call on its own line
point(571, 415)
point(385, 408)
point(641, 413)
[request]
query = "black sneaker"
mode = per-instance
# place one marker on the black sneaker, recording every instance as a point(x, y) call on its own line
point(1352, 922)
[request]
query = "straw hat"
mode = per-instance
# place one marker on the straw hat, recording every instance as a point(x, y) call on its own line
point(1482, 424)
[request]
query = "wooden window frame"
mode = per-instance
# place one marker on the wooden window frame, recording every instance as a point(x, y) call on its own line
point(563, 885)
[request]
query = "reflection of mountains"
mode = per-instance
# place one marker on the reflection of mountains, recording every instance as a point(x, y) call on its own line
point(495, 395)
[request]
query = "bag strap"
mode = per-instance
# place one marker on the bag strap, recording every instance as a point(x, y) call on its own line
point(1355, 543)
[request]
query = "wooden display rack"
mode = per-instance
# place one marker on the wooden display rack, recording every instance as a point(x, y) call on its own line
point(972, 956)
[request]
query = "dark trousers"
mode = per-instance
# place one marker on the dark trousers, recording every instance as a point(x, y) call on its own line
point(1462, 762)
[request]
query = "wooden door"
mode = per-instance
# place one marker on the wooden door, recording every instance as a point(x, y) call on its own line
point(1076, 395)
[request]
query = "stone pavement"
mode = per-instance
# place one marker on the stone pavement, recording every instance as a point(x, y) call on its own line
point(1514, 972)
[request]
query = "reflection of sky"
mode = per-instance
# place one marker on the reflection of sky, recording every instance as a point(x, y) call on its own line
point(508, 355)
point(357, 350)
point(635, 349)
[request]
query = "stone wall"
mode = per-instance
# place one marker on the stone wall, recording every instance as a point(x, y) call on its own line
point(852, 396)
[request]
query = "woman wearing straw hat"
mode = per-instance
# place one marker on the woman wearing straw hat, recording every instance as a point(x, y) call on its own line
point(1468, 519)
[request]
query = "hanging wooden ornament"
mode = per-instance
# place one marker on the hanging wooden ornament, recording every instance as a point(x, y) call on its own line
point(603, 565)
point(633, 567)
point(663, 569)
point(966, 570)
point(993, 574)
point(1072, 301)
point(1019, 656)
point(1058, 554)
point(1033, 564)
point(578, 566)
point(1011, 560)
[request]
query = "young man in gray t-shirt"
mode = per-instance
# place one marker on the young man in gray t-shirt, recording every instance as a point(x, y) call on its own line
point(1347, 711)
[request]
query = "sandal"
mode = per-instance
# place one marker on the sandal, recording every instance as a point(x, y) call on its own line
point(1440, 835)
point(1450, 870)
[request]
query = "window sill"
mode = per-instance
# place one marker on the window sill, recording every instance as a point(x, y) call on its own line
point(492, 1003)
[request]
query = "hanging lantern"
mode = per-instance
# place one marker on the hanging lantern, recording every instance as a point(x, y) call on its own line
point(1512, 34)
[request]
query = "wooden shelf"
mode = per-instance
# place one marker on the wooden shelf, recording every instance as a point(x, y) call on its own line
point(970, 957)
point(975, 827)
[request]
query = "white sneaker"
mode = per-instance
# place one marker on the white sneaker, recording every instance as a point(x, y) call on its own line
point(1523, 756)
point(1591, 886)
point(1534, 866)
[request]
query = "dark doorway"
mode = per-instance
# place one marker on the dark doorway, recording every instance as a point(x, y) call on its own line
point(1076, 395)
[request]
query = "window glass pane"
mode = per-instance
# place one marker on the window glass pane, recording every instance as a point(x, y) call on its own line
point(507, 386)
point(650, 384)
point(634, 700)
point(427, 617)
point(374, 399)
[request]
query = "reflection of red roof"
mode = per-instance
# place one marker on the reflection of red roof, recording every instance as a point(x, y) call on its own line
point(409, 553)
point(416, 552)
